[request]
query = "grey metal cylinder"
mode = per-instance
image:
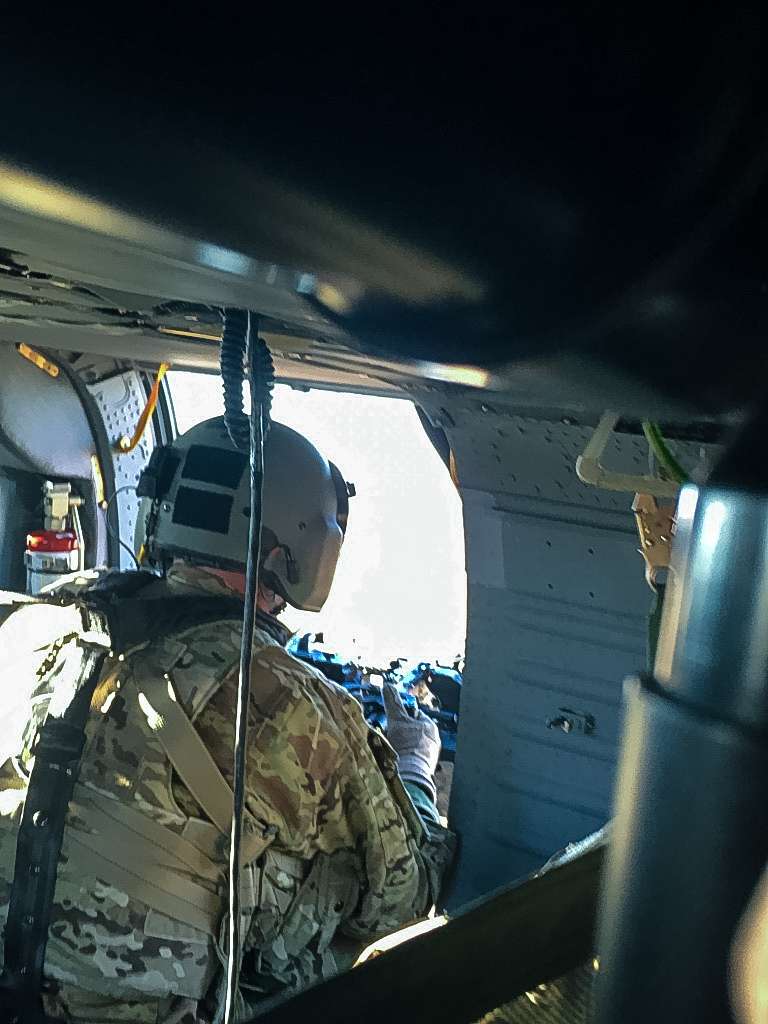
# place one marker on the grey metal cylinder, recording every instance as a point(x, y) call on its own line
point(690, 835)
point(713, 644)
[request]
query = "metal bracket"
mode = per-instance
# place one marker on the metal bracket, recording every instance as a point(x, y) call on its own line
point(590, 470)
point(60, 504)
point(57, 499)
point(655, 527)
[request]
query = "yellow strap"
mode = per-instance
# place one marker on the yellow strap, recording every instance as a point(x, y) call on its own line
point(127, 444)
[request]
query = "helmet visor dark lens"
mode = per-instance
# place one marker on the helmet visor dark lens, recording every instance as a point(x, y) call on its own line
point(202, 510)
point(214, 466)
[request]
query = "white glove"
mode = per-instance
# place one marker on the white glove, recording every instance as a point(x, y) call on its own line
point(416, 740)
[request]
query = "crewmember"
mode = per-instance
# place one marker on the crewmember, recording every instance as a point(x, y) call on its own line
point(338, 846)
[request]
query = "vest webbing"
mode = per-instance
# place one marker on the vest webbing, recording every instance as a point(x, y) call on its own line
point(129, 622)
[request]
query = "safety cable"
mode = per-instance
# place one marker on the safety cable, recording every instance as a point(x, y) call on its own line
point(110, 529)
point(663, 453)
point(127, 444)
point(243, 327)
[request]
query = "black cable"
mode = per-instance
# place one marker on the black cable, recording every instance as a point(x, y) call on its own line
point(260, 386)
point(238, 326)
point(110, 529)
point(234, 340)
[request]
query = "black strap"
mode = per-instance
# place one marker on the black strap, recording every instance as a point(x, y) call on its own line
point(57, 752)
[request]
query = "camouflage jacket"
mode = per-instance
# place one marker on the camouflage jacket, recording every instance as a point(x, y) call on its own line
point(349, 857)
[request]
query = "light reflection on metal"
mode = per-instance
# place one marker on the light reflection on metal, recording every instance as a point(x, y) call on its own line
point(182, 333)
point(305, 284)
point(713, 649)
point(686, 505)
point(712, 525)
point(332, 297)
point(386, 265)
point(470, 376)
point(219, 258)
point(32, 194)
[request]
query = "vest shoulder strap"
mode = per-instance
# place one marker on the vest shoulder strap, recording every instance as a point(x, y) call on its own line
point(197, 769)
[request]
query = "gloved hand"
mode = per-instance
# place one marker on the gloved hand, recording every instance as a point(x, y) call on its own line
point(416, 741)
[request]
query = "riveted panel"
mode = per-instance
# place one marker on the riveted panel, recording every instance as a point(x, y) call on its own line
point(121, 400)
point(558, 609)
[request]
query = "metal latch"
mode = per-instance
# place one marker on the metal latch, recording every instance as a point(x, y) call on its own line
point(655, 527)
point(568, 720)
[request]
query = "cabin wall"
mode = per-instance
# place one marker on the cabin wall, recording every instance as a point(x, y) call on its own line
point(557, 618)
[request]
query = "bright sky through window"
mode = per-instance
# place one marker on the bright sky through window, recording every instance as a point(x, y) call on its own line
point(400, 589)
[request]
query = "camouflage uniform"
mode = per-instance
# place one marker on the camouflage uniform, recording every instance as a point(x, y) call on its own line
point(349, 857)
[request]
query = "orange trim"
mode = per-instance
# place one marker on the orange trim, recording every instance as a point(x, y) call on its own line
point(127, 444)
point(37, 359)
point(180, 333)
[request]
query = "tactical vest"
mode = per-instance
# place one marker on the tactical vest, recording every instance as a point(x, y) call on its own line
point(126, 844)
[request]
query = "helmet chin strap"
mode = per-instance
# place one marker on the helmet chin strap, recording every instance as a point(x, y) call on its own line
point(268, 600)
